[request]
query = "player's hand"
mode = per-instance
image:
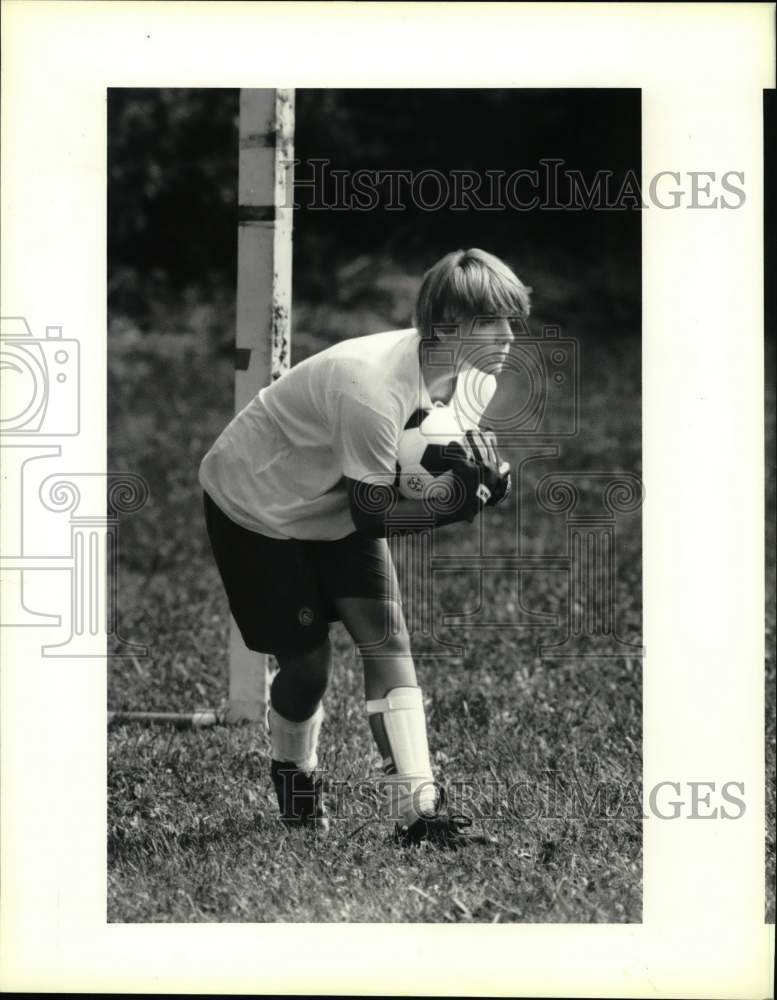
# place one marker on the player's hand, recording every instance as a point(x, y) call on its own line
point(467, 473)
point(470, 476)
point(495, 474)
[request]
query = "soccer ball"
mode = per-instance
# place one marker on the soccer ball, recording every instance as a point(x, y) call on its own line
point(424, 454)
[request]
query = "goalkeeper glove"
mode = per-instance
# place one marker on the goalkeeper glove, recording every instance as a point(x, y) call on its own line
point(495, 474)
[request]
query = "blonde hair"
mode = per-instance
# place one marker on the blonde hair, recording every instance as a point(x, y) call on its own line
point(466, 284)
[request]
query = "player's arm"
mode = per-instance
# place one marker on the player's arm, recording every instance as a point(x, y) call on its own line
point(375, 505)
point(482, 480)
point(366, 440)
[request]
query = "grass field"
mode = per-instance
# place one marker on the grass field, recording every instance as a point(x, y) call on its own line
point(192, 827)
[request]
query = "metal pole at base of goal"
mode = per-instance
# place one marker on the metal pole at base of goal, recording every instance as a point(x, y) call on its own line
point(263, 329)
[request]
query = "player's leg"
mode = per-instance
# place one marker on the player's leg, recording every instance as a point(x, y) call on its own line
point(274, 599)
point(363, 587)
point(294, 719)
point(394, 702)
point(357, 575)
point(397, 718)
point(295, 716)
point(300, 684)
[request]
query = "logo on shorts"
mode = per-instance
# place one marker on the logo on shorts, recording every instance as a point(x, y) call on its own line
point(305, 616)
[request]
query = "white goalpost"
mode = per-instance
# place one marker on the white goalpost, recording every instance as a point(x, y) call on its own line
point(263, 327)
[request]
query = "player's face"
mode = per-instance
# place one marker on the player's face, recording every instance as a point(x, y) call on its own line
point(488, 345)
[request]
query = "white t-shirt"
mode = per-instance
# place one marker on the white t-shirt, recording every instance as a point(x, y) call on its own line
point(278, 466)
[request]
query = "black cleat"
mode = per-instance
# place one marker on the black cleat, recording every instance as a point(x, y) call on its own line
point(444, 829)
point(300, 797)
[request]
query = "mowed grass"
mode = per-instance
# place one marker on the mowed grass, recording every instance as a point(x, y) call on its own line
point(193, 833)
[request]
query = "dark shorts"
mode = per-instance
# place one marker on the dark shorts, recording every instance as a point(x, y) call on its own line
point(281, 591)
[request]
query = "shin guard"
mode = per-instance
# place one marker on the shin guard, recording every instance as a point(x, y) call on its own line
point(409, 780)
point(295, 742)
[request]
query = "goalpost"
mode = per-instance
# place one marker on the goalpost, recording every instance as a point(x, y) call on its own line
point(262, 340)
point(263, 327)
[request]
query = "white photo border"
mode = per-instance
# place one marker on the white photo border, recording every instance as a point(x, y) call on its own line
point(701, 69)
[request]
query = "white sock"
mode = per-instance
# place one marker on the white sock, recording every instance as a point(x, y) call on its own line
point(295, 741)
point(411, 788)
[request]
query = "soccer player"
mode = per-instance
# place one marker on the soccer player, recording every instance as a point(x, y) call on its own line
point(297, 491)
